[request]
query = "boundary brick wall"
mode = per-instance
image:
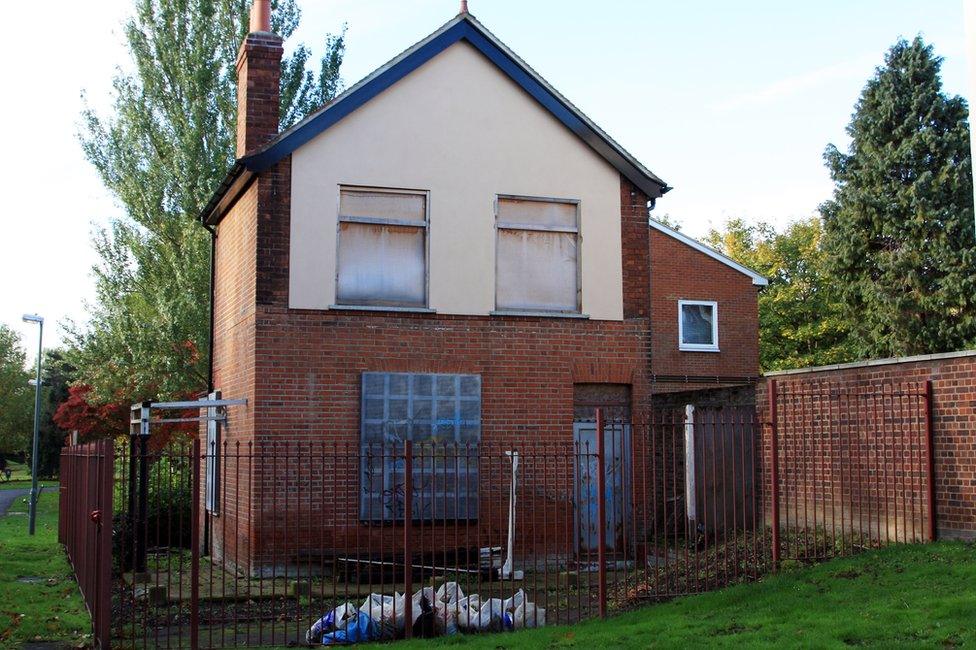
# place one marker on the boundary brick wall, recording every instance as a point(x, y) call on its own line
point(953, 378)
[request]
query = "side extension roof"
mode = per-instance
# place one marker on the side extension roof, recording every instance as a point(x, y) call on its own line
point(757, 279)
point(464, 27)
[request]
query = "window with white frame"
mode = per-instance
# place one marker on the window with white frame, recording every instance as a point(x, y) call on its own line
point(537, 263)
point(382, 248)
point(698, 325)
point(441, 414)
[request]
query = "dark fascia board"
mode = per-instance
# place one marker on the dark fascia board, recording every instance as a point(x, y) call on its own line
point(236, 180)
point(465, 27)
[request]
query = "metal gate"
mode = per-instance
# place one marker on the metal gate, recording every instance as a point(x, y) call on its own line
point(85, 526)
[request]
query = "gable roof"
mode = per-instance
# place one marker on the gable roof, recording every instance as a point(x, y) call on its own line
point(757, 279)
point(462, 28)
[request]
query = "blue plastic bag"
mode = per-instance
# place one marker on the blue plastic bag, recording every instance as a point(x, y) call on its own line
point(358, 630)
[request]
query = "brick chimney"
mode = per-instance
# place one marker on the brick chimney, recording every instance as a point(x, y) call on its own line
point(258, 78)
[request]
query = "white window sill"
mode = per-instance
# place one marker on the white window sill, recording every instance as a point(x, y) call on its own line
point(538, 314)
point(686, 348)
point(402, 310)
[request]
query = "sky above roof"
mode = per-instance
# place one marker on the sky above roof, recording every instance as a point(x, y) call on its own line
point(731, 103)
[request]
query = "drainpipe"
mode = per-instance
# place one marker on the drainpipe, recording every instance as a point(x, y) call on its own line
point(213, 275)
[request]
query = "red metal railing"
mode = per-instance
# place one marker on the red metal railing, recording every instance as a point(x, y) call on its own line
point(85, 526)
point(540, 532)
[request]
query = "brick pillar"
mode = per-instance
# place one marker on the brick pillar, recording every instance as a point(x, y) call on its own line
point(258, 79)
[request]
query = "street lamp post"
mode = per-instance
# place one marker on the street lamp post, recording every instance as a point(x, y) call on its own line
point(33, 318)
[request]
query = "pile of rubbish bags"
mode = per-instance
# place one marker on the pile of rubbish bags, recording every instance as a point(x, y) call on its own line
point(443, 612)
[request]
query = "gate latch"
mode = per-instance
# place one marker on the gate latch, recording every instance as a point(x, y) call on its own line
point(96, 516)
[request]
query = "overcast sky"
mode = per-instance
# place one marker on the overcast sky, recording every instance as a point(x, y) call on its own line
point(731, 103)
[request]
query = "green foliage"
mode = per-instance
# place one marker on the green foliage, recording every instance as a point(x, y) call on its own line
point(16, 395)
point(899, 229)
point(161, 153)
point(667, 220)
point(801, 321)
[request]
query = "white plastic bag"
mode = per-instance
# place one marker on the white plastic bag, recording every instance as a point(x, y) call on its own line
point(427, 592)
point(449, 592)
point(492, 615)
point(387, 612)
point(337, 619)
point(527, 615)
point(445, 622)
point(511, 604)
point(468, 609)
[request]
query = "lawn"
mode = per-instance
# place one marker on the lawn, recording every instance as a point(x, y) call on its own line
point(39, 599)
point(903, 596)
point(20, 478)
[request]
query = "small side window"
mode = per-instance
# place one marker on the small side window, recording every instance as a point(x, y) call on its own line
point(698, 325)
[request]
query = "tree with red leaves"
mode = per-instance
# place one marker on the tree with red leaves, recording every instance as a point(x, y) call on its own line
point(92, 421)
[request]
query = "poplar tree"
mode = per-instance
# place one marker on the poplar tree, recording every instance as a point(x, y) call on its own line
point(161, 152)
point(899, 232)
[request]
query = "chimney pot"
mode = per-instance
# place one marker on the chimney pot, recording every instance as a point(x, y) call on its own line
point(464, 6)
point(261, 16)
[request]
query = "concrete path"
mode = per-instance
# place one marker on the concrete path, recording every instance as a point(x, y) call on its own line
point(7, 497)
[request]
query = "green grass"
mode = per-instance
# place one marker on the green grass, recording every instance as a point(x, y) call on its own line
point(903, 596)
point(49, 607)
point(20, 478)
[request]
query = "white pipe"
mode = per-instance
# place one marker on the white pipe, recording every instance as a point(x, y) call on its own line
point(507, 566)
point(690, 505)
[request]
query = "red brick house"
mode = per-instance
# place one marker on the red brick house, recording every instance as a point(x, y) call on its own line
point(451, 244)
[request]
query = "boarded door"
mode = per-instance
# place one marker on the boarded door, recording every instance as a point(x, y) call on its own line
point(616, 455)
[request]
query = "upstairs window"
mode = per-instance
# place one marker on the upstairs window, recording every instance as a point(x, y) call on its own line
point(441, 413)
point(698, 325)
point(537, 267)
point(382, 248)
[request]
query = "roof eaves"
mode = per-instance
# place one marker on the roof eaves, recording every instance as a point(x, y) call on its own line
point(757, 279)
point(237, 176)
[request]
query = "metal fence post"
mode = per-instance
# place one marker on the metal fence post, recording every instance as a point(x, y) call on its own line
point(601, 482)
point(774, 471)
point(407, 532)
point(930, 451)
point(103, 579)
point(195, 545)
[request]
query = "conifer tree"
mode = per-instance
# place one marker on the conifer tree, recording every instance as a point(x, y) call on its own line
point(899, 231)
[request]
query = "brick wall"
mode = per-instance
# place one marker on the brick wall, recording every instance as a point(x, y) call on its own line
point(301, 369)
point(679, 272)
point(883, 398)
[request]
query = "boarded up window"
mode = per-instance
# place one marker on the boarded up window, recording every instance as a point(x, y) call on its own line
point(382, 257)
point(442, 415)
point(538, 255)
